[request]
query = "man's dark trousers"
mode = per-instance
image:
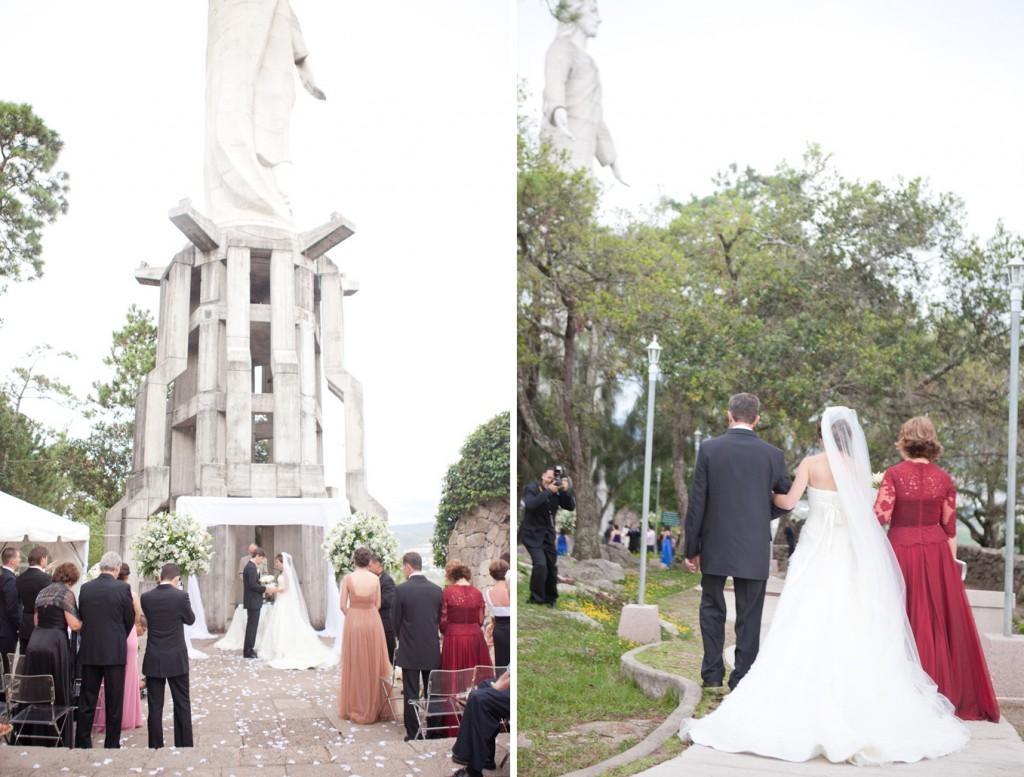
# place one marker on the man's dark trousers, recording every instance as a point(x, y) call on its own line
point(252, 623)
point(749, 603)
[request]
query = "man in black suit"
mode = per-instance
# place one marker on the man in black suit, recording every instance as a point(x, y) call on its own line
point(417, 616)
point(252, 598)
point(10, 604)
point(541, 500)
point(108, 616)
point(30, 583)
point(168, 610)
point(728, 534)
point(387, 600)
point(486, 707)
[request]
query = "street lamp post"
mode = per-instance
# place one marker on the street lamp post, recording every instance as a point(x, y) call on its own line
point(1016, 290)
point(653, 354)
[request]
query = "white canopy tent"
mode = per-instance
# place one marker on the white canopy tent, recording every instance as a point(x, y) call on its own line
point(251, 511)
point(22, 522)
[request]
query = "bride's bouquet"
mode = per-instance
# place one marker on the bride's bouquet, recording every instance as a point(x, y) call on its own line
point(168, 538)
point(360, 530)
point(268, 580)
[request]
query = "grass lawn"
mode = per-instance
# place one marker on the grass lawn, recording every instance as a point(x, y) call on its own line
point(569, 675)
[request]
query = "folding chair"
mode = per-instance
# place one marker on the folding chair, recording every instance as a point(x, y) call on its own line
point(35, 700)
point(387, 704)
point(445, 697)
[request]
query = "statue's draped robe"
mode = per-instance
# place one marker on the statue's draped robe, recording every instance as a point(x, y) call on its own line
point(251, 53)
point(572, 81)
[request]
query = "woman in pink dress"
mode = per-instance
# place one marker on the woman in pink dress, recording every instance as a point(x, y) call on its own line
point(918, 501)
point(131, 709)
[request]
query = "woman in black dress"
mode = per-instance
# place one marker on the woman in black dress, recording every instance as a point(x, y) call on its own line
point(49, 649)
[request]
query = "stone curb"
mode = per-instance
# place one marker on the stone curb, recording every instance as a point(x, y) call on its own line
point(654, 683)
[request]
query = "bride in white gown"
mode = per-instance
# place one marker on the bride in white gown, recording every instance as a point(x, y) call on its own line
point(838, 673)
point(289, 641)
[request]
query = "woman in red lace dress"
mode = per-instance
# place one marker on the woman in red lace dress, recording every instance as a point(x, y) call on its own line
point(918, 500)
point(462, 618)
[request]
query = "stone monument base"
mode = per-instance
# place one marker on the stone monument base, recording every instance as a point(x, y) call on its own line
point(640, 623)
point(1005, 656)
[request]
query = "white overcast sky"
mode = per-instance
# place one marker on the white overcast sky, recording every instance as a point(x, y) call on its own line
point(927, 88)
point(415, 145)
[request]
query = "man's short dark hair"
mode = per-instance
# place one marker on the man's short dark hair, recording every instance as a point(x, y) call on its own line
point(9, 554)
point(413, 559)
point(375, 558)
point(169, 572)
point(745, 408)
point(258, 552)
point(37, 554)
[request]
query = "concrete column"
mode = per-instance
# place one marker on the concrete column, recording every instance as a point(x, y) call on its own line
point(238, 396)
point(285, 366)
point(209, 368)
point(308, 377)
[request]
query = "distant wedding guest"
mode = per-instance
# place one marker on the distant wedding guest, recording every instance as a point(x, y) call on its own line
point(563, 542)
point(486, 708)
point(10, 605)
point(667, 549)
point(49, 649)
point(364, 651)
point(634, 538)
point(30, 583)
point(790, 536)
point(462, 619)
point(650, 539)
point(108, 615)
point(387, 601)
point(608, 533)
point(131, 712)
point(417, 620)
point(168, 611)
point(616, 534)
point(498, 599)
point(918, 501)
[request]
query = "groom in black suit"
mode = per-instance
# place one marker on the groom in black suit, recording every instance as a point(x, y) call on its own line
point(252, 598)
point(728, 534)
point(30, 583)
point(417, 614)
point(168, 610)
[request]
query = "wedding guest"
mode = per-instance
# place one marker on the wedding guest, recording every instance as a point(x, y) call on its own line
point(634, 538)
point(168, 610)
point(667, 548)
point(30, 583)
point(918, 501)
point(131, 711)
point(541, 501)
point(10, 605)
point(486, 707)
point(417, 617)
point(108, 615)
point(253, 600)
point(49, 649)
point(499, 599)
point(650, 540)
point(790, 536)
point(364, 652)
point(563, 542)
point(387, 601)
point(462, 616)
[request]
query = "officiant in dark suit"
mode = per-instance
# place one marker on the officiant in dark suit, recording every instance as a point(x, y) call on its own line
point(417, 616)
point(728, 534)
point(30, 583)
point(252, 598)
point(107, 614)
point(387, 601)
point(168, 610)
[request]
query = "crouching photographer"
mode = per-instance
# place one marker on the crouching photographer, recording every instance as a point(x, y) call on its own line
point(541, 500)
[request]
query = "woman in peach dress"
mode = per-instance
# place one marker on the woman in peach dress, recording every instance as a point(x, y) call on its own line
point(131, 709)
point(364, 650)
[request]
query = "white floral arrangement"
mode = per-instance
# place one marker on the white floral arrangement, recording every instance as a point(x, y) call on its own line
point(267, 579)
point(360, 530)
point(876, 480)
point(93, 572)
point(168, 538)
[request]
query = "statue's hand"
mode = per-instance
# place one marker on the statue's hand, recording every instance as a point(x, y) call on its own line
point(560, 118)
point(617, 172)
point(306, 77)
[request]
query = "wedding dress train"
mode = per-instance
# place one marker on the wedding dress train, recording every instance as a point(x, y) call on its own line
point(289, 641)
point(837, 674)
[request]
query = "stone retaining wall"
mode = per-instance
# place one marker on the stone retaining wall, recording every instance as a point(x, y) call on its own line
point(481, 536)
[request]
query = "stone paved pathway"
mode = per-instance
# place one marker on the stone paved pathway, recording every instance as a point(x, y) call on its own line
point(252, 720)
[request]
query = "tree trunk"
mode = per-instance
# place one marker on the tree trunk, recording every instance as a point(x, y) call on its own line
point(680, 445)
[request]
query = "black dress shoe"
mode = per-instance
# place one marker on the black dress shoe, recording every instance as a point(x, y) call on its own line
point(466, 771)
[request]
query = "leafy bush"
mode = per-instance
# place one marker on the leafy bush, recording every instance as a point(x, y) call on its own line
point(480, 474)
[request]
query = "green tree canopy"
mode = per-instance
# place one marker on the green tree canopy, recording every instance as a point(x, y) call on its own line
point(32, 194)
